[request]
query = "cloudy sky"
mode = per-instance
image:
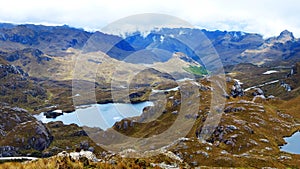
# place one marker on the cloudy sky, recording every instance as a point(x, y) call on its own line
point(267, 17)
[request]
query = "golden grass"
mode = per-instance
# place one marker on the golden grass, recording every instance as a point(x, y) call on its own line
point(67, 163)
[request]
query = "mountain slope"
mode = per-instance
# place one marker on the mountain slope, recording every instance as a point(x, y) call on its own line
point(18, 89)
point(21, 133)
point(283, 49)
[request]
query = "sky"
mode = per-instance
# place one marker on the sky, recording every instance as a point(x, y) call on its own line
point(266, 17)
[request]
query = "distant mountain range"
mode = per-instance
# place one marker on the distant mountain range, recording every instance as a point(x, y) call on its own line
point(158, 46)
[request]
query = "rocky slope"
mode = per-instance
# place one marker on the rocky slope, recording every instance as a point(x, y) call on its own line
point(18, 89)
point(279, 81)
point(283, 49)
point(51, 40)
point(251, 130)
point(21, 133)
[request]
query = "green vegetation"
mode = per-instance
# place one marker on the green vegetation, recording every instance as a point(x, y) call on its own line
point(196, 70)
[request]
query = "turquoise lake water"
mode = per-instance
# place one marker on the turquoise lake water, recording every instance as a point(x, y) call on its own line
point(99, 115)
point(293, 144)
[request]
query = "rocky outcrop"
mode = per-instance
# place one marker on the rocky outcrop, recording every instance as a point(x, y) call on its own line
point(25, 56)
point(5, 70)
point(285, 36)
point(257, 91)
point(284, 47)
point(41, 137)
point(231, 109)
point(78, 155)
point(8, 151)
point(53, 114)
point(236, 90)
point(286, 86)
point(17, 88)
point(220, 134)
point(21, 131)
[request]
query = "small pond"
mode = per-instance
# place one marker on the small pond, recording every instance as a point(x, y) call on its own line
point(293, 144)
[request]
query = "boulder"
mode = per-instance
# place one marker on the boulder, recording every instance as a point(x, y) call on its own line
point(236, 90)
point(84, 145)
point(231, 109)
point(8, 151)
point(83, 154)
point(258, 91)
point(53, 114)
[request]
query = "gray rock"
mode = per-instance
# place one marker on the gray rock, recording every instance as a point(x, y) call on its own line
point(231, 127)
point(259, 91)
point(203, 88)
point(42, 138)
point(194, 163)
point(286, 86)
point(125, 125)
point(28, 132)
point(132, 123)
point(192, 116)
point(236, 90)
point(84, 145)
point(231, 109)
point(176, 102)
point(250, 130)
point(79, 133)
point(234, 136)
point(283, 157)
point(271, 97)
point(2, 133)
point(79, 155)
point(264, 140)
point(205, 154)
point(229, 142)
point(227, 96)
point(228, 79)
point(245, 155)
point(253, 142)
point(208, 148)
point(91, 149)
point(175, 112)
point(113, 162)
point(8, 151)
point(269, 148)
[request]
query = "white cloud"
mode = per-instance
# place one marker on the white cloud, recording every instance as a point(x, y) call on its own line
point(267, 17)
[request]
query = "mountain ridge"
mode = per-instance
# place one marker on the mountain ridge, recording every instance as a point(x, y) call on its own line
point(233, 47)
